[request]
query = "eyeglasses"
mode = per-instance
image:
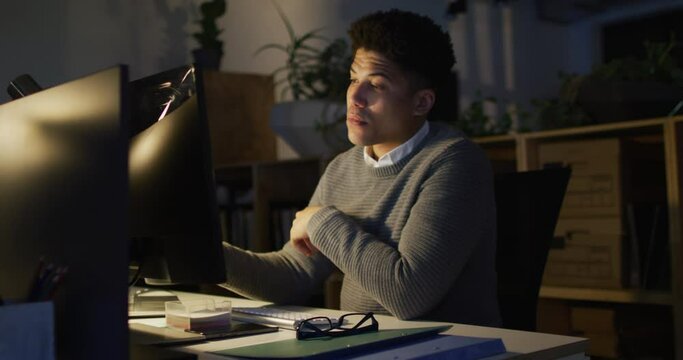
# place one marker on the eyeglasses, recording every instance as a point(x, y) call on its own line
point(348, 324)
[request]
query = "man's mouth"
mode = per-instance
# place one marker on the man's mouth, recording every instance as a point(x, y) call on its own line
point(355, 119)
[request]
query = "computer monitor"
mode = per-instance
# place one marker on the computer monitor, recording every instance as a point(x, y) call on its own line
point(174, 222)
point(63, 187)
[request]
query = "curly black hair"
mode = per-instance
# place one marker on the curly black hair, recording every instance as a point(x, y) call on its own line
point(419, 46)
point(412, 41)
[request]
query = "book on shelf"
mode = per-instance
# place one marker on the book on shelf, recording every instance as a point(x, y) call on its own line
point(281, 223)
point(649, 257)
point(236, 214)
point(657, 273)
point(241, 226)
point(634, 255)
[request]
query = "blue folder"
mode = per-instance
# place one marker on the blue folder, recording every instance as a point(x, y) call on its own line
point(413, 343)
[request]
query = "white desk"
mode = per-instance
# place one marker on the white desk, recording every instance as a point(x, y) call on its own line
point(520, 344)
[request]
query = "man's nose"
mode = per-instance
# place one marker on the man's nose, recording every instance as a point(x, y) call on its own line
point(357, 95)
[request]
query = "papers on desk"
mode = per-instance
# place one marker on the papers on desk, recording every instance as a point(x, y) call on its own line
point(413, 343)
point(156, 332)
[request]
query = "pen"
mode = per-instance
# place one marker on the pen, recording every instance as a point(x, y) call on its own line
point(53, 285)
point(46, 282)
point(41, 272)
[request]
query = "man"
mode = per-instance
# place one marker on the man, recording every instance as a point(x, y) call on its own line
point(408, 214)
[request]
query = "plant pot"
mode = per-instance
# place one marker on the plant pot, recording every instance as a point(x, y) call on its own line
point(608, 101)
point(313, 128)
point(207, 58)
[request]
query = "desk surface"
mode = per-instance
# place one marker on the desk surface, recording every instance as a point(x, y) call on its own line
point(527, 344)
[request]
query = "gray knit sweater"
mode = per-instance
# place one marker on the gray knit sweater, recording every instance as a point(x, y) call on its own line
point(415, 239)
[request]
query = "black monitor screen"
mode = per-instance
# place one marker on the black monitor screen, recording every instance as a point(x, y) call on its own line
point(63, 197)
point(173, 211)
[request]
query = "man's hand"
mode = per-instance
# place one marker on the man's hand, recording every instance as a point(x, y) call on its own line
point(299, 235)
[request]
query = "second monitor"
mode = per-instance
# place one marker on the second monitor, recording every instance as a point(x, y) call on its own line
point(174, 222)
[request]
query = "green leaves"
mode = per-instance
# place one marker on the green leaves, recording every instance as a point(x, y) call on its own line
point(311, 72)
point(658, 65)
point(475, 122)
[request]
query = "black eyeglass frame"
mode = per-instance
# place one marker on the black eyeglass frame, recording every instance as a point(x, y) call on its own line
point(307, 330)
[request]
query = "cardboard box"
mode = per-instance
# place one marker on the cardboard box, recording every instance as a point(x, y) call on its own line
point(609, 177)
point(587, 253)
point(586, 260)
point(607, 174)
point(625, 331)
point(595, 226)
point(594, 188)
point(599, 326)
point(593, 319)
point(553, 317)
point(602, 345)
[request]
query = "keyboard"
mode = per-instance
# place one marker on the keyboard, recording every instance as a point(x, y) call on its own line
point(278, 317)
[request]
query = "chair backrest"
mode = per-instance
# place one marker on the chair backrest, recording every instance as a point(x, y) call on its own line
point(528, 204)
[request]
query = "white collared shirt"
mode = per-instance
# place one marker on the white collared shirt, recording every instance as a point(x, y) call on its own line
point(399, 152)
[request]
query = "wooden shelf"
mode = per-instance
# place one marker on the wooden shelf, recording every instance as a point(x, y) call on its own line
point(627, 296)
point(625, 126)
point(272, 184)
point(496, 139)
point(521, 153)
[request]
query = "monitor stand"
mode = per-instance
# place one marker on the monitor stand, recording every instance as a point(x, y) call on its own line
point(146, 302)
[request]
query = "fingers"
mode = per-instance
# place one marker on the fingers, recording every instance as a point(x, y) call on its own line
point(304, 246)
point(299, 234)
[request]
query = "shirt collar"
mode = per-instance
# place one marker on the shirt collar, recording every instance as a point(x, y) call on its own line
point(399, 152)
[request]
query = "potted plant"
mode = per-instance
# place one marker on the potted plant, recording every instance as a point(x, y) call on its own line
point(210, 50)
point(630, 88)
point(316, 77)
point(474, 121)
point(562, 111)
point(622, 89)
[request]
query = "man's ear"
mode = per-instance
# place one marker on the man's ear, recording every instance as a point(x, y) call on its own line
point(423, 102)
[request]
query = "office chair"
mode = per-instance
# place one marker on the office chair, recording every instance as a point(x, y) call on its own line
point(528, 204)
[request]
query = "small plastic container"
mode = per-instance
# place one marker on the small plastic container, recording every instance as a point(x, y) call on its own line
point(198, 315)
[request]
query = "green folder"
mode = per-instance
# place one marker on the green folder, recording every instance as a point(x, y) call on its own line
point(344, 345)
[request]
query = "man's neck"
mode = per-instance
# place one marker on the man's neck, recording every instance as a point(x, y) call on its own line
point(378, 150)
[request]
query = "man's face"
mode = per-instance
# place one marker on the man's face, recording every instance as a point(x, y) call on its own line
point(380, 103)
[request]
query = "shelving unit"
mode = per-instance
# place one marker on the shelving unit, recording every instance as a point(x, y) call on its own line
point(607, 295)
point(269, 186)
point(238, 110)
point(520, 151)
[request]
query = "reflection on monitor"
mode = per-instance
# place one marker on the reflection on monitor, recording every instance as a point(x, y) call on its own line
point(63, 197)
point(174, 216)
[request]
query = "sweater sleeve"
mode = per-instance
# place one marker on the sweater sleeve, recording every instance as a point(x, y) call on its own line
point(443, 228)
point(283, 277)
